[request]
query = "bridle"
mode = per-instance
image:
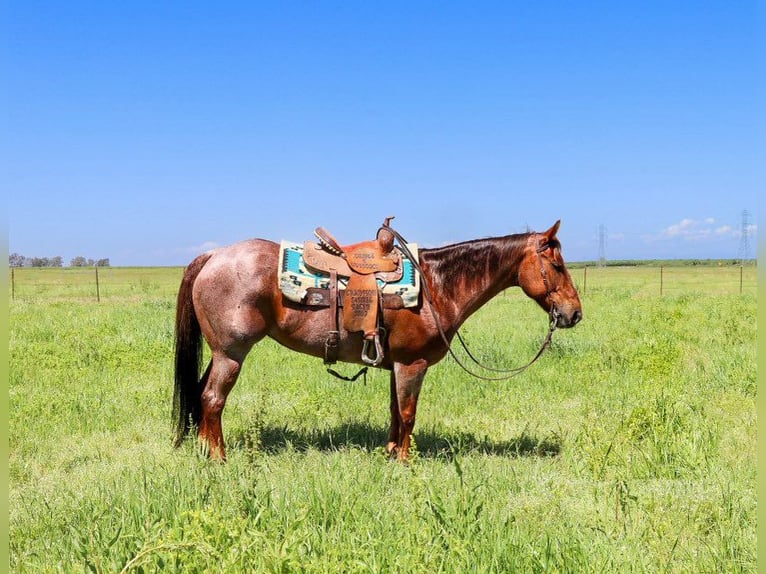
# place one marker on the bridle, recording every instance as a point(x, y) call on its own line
point(553, 316)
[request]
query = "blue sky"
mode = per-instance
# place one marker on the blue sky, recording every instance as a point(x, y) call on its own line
point(147, 132)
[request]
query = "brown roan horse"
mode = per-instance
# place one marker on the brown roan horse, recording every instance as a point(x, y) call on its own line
point(231, 297)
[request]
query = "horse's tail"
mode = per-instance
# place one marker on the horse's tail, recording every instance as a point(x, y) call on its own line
point(187, 407)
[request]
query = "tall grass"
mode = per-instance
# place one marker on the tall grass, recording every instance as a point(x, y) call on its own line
point(629, 447)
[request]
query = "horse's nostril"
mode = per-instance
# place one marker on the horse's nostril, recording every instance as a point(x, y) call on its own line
point(576, 317)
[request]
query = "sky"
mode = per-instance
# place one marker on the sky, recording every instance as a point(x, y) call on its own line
point(148, 132)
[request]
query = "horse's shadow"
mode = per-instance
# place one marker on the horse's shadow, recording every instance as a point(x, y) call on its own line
point(363, 436)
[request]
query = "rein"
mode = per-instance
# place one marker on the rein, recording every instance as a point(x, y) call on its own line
point(553, 317)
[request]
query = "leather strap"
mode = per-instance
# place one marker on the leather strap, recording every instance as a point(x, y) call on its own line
point(333, 336)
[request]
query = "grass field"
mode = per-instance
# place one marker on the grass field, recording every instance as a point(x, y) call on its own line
point(629, 447)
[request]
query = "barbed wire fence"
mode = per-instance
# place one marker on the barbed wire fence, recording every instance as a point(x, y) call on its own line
point(669, 279)
point(94, 284)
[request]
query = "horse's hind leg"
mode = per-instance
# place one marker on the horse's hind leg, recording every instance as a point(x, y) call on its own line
point(221, 376)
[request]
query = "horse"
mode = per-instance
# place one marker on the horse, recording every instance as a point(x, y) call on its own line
point(230, 297)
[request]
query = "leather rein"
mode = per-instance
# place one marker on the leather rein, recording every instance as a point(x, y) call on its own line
point(508, 373)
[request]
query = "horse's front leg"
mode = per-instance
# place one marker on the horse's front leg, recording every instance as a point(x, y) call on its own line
point(393, 435)
point(406, 381)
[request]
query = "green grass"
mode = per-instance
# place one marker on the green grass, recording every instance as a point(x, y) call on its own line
point(629, 447)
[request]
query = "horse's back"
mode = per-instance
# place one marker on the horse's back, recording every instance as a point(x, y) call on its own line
point(242, 265)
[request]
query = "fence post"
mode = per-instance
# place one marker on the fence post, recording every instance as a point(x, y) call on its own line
point(98, 293)
point(13, 283)
point(741, 267)
point(585, 280)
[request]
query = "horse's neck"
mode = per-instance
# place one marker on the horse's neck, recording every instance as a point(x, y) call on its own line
point(465, 276)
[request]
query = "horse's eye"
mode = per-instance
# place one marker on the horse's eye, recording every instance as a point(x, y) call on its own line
point(556, 260)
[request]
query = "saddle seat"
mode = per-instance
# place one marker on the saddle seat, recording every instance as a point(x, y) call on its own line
point(362, 264)
point(364, 258)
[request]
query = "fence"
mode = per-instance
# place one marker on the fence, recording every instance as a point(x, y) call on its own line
point(93, 283)
point(114, 283)
point(668, 279)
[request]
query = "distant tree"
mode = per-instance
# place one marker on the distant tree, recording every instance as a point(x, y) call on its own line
point(16, 260)
point(81, 261)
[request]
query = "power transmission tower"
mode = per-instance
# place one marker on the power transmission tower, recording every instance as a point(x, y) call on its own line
point(744, 240)
point(601, 245)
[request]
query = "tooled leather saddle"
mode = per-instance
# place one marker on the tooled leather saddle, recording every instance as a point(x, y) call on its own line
point(361, 264)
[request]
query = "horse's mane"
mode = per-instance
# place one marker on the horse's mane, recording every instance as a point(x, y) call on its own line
point(463, 263)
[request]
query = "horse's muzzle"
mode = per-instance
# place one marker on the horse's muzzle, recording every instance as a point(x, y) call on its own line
point(567, 320)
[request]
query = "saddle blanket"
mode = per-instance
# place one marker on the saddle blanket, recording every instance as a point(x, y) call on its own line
point(295, 280)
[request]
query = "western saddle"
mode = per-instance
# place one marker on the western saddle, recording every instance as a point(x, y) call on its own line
point(361, 265)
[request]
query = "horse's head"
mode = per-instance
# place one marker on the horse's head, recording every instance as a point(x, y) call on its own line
point(544, 278)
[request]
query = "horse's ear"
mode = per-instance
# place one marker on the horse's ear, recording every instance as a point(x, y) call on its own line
point(551, 233)
point(549, 236)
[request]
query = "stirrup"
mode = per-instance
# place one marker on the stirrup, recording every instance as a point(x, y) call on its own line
point(366, 358)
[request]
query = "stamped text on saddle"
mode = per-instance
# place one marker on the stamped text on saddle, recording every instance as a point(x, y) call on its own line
point(362, 264)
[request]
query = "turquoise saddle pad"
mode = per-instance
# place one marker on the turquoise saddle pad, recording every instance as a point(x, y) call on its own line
point(295, 279)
